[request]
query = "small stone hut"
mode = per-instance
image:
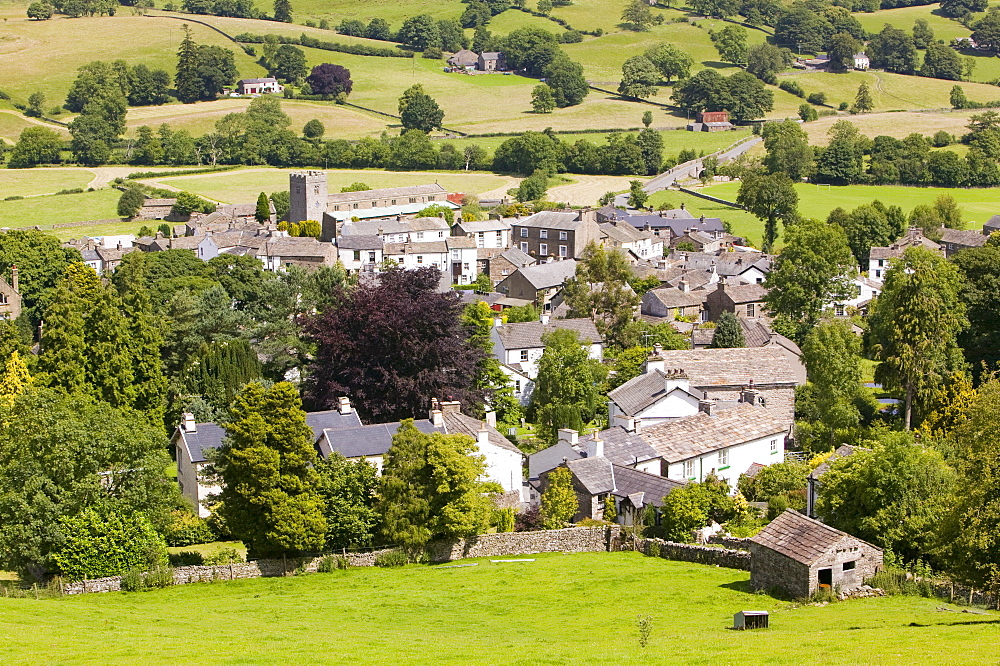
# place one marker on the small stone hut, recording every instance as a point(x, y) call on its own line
point(798, 554)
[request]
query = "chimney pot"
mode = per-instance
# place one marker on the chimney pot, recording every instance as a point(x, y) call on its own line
point(437, 418)
point(14, 278)
point(570, 436)
point(707, 406)
point(544, 319)
point(189, 425)
point(345, 405)
point(595, 447)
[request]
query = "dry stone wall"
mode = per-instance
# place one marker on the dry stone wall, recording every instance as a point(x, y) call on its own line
point(734, 543)
point(686, 552)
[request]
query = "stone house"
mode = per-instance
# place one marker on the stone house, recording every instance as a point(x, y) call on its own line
point(799, 555)
point(991, 225)
point(397, 230)
point(879, 257)
point(453, 256)
point(653, 397)
point(10, 296)
point(281, 253)
point(360, 254)
point(191, 442)
point(156, 209)
point(711, 121)
point(556, 234)
point(743, 300)
point(102, 259)
point(491, 61)
point(703, 242)
point(259, 86)
point(501, 264)
point(492, 233)
point(463, 59)
point(861, 61)
point(736, 267)
point(538, 283)
point(668, 224)
point(672, 303)
point(956, 240)
point(309, 200)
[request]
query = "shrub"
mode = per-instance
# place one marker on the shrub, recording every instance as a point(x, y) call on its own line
point(133, 581)
point(392, 558)
point(817, 98)
point(102, 542)
point(504, 519)
point(225, 556)
point(792, 87)
point(529, 521)
point(187, 558)
point(185, 528)
point(160, 577)
point(942, 139)
point(432, 53)
point(844, 106)
point(653, 549)
point(332, 563)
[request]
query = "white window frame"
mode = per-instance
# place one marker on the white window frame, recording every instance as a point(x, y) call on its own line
point(723, 458)
point(563, 252)
point(543, 249)
point(524, 232)
point(543, 233)
point(689, 468)
point(563, 235)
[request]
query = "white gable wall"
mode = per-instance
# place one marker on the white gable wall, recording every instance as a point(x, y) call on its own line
point(739, 459)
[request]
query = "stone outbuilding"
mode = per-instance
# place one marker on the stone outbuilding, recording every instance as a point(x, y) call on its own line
point(798, 555)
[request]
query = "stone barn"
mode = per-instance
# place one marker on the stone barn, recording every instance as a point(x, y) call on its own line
point(799, 554)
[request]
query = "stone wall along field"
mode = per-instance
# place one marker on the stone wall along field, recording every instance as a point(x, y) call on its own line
point(686, 552)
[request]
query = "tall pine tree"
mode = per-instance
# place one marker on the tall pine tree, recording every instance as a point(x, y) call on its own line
point(109, 373)
point(283, 11)
point(63, 348)
point(147, 338)
point(188, 80)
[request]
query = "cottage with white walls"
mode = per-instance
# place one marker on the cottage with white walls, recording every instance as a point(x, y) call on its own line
point(490, 234)
point(659, 394)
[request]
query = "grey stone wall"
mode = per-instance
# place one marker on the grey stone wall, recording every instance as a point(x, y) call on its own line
point(735, 543)
point(686, 552)
point(771, 570)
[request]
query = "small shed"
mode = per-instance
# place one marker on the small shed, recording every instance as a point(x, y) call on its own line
point(751, 620)
point(798, 554)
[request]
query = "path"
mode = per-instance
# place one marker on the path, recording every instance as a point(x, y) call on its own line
point(690, 169)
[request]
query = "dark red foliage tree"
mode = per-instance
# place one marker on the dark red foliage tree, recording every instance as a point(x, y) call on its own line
point(328, 79)
point(391, 346)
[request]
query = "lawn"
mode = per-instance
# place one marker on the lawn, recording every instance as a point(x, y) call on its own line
point(54, 209)
point(244, 185)
point(32, 182)
point(558, 609)
point(818, 200)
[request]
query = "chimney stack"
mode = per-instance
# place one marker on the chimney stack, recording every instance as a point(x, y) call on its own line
point(595, 447)
point(13, 278)
point(451, 407)
point(676, 378)
point(188, 424)
point(497, 322)
point(483, 436)
point(491, 418)
point(544, 319)
point(707, 406)
point(749, 394)
point(344, 406)
point(570, 436)
point(683, 285)
point(655, 362)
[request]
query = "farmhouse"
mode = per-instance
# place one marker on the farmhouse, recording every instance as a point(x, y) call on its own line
point(636, 244)
point(10, 296)
point(492, 233)
point(671, 302)
point(259, 86)
point(861, 61)
point(491, 61)
point(555, 234)
point(800, 555)
point(463, 59)
point(282, 253)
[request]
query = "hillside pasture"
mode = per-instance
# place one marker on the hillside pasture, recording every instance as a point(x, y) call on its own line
point(12, 124)
point(516, 613)
point(244, 185)
point(899, 125)
point(34, 182)
point(54, 209)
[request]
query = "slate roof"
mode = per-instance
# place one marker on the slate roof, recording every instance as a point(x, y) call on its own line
point(696, 435)
point(966, 237)
point(548, 275)
point(423, 247)
point(519, 258)
point(159, 202)
point(528, 334)
point(393, 226)
point(296, 247)
point(677, 224)
point(475, 226)
point(644, 390)
point(624, 233)
point(263, 80)
point(359, 242)
point(642, 488)
point(623, 447)
point(363, 441)
point(387, 192)
point(386, 213)
point(596, 475)
point(992, 223)
point(550, 219)
point(672, 297)
point(732, 367)
point(799, 537)
point(463, 58)
point(550, 458)
point(745, 293)
point(456, 423)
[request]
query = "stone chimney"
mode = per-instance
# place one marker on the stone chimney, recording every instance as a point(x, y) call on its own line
point(570, 436)
point(497, 321)
point(483, 436)
point(722, 284)
point(655, 361)
point(683, 285)
point(434, 415)
point(749, 394)
point(13, 278)
point(676, 378)
point(544, 319)
point(595, 447)
point(707, 406)
point(344, 405)
point(774, 338)
point(491, 418)
point(451, 407)
point(188, 424)
point(630, 424)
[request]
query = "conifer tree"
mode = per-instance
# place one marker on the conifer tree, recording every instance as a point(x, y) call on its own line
point(270, 499)
point(283, 11)
point(146, 336)
point(728, 332)
point(187, 80)
point(62, 346)
point(109, 373)
point(863, 102)
point(559, 503)
point(263, 212)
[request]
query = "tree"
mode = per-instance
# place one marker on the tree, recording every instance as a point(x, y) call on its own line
point(807, 112)
point(63, 349)
point(102, 542)
point(36, 104)
point(559, 503)
point(40, 11)
point(705, 91)
point(841, 50)
point(420, 32)
point(202, 70)
point(528, 153)
point(832, 356)
point(639, 78)
point(986, 32)
point(314, 129)
point(478, 320)
point(637, 196)
point(269, 498)
point(14, 379)
point(841, 162)
point(600, 290)
point(672, 62)
point(430, 489)
point(960, 8)
point(637, 15)
point(650, 142)
point(391, 345)
point(942, 62)
point(41, 261)
point(289, 63)
point(530, 49)
point(771, 198)
point(532, 188)
point(145, 337)
point(810, 273)
point(131, 200)
point(542, 100)
point(893, 50)
point(418, 110)
point(693, 505)
point(894, 495)
point(765, 61)
point(731, 43)
point(788, 149)
point(923, 35)
point(863, 101)
point(785, 479)
point(61, 454)
point(728, 332)
point(749, 99)
point(330, 80)
point(35, 145)
point(187, 79)
point(283, 11)
point(647, 119)
point(349, 489)
point(565, 77)
point(566, 388)
point(913, 327)
point(109, 369)
point(263, 212)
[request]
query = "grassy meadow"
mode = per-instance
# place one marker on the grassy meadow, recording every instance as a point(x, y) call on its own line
point(557, 609)
point(899, 125)
point(54, 209)
point(34, 182)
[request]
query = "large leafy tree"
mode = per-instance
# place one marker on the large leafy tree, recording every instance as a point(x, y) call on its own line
point(913, 326)
point(672, 62)
point(841, 162)
point(832, 356)
point(788, 149)
point(894, 495)
point(145, 334)
point(559, 502)
point(329, 79)
point(270, 498)
point(810, 273)
point(600, 290)
point(109, 369)
point(639, 78)
point(63, 351)
point(980, 292)
point(418, 110)
point(35, 145)
point(771, 198)
point(349, 489)
point(728, 332)
point(731, 43)
point(392, 346)
point(637, 15)
point(565, 77)
point(289, 63)
point(40, 260)
point(567, 391)
point(431, 489)
point(61, 453)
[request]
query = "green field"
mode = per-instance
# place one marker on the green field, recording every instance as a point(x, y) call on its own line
point(32, 182)
point(558, 609)
point(818, 200)
point(673, 140)
point(12, 124)
point(42, 211)
point(244, 185)
point(742, 223)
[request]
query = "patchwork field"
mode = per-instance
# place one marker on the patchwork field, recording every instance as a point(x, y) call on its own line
point(514, 613)
point(898, 125)
point(33, 182)
point(47, 210)
point(12, 124)
point(818, 200)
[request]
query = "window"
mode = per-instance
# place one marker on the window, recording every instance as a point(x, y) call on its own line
point(524, 248)
point(751, 309)
point(420, 235)
point(881, 263)
point(505, 271)
point(517, 385)
point(440, 234)
point(399, 261)
point(760, 280)
point(420, 258)
point(543, 249)
point(465, 266)
point(563, 235)
point(499, 236)
point(455, 255)
point(849, 566)
point(689, 469)
point(562, 250)
point(371, 257)
point(393, 202)
point(524, 355)
point(723, 457)
point(524, 232)
point(413, 200)
point(774, 445)
point(878, 274)
point(543, 233)
point(357, 255)
point(838, 310)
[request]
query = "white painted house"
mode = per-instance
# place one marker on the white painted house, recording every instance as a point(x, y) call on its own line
point(259, 86)
point(656, 396)
point(454, 256)
point(489, 234)
point(861, 61)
